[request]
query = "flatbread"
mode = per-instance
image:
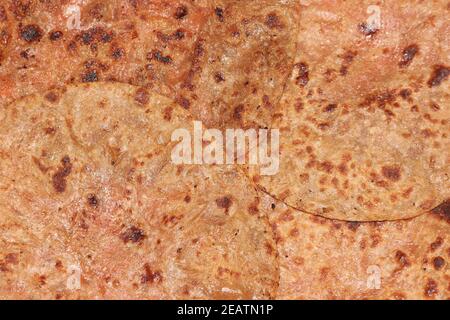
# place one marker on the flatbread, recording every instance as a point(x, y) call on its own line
point(92, 207)
point(330, 259)
point(142, 42)
point(365, 118)
point(242, 60)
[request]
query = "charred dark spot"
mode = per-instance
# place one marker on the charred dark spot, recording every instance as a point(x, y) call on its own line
point(438, 263)
point(187, 198)
point(151, 276)
point(408, 55)
point(219, 14)
point(391, 172)
point(224, 203)
point(133, 234)
point(31, 33)
point(158, 56)
point(55, 35)
point(90, 76)
point(118, 53)
point(367, 30)
point(59, 178)
point(181, 12)
point(402, 259)
point(178, 35)
point(87, 37)
point(218, 77)
point(92, 200)
point(440, 73)
point(303, 74)
point(330, 108)
point(273, 21)
point(443, 210)
point(142, 96)
point(431, 288)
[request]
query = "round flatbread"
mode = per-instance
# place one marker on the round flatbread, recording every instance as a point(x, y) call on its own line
point(93, 207)
point(141, 42)
point(241, 62)
point(365, 119)
point(330, 259)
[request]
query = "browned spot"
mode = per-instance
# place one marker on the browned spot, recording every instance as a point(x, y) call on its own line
point(402, 259)
point(408, 55)
point(187, 198)
point(168, 113)
point(218, 77)
point(237, 113)
point(330, 108)
point(224, 203)
point(253, 209)
point(31, 33)
point(353, 225)
point(52, 97)
point(347, 58)
point(302, 78)
point(142, 96)
point(436, 244)
point(431, 288)
point(151, 276)
point(59, 178)
point(92, 200)
point(405, 93)
point(273, 21)
point(185, 103)
point(438, 263)
point(439, 74)
point(181, 12)
point(269, 249)
point(443, 210)
point(391, 172)
point(133, 234)
point(12, 258)
point(55, 35)
point(3, 15)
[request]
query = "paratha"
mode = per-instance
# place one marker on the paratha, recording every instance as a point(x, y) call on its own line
point(241, 62)
point(330, 259)
point(92, 207)
point(52, 43)
point(365, 119)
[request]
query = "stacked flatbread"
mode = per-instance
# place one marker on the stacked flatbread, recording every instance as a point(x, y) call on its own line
point(92, 206)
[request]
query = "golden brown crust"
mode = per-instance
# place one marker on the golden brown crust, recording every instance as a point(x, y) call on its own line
point(142, 42)
point(329, 259)
point(241, 62)
point(364, 119)
point(88, 190)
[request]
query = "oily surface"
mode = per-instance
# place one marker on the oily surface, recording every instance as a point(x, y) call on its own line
point(92, 206)
point(241, 62)
point(142, 42)
point(329, 259)
point(364, 120)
